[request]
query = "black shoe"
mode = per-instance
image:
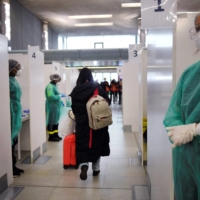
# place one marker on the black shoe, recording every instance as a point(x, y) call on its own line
point(95, 173)
point(16, 173)
point(83, 174)
point(21, 171)
point(57, 136)
point(52, 138)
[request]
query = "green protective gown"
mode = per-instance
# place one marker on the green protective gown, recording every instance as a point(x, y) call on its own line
point(184, 108)
point(53, 104)
point(68, 103)
point(15, 107)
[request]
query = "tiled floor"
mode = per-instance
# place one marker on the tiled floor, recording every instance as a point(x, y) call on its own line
point(51, 182)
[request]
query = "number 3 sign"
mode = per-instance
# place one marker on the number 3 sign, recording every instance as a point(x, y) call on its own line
point(158, 13)
point(134, 53)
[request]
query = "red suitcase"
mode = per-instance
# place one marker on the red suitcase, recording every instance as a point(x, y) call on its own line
point(69, 151)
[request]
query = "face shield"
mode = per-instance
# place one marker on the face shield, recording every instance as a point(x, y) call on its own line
point(194, 34)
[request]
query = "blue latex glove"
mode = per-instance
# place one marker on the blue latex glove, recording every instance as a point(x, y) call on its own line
point(62, 103)
point(63, 95)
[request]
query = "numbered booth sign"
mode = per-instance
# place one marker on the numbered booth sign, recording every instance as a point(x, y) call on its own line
point(135, 53)
point(34, 55)
point(158, 13)
point(56, 68)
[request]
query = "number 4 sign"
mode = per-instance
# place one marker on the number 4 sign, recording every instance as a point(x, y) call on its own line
point(158, 13)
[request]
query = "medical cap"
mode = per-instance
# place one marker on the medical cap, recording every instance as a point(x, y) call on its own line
point(55, 77)
point(13, 64)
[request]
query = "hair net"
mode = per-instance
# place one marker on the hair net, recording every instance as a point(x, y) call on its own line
point(55, 77)
point(13, 64)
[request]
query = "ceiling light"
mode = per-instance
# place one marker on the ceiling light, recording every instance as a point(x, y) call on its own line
point(136, 5)
point(94, 24)
point(106, 67)
point(186, 12)
point(89, 16)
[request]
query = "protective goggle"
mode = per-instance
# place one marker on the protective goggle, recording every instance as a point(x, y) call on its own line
point(195, 32)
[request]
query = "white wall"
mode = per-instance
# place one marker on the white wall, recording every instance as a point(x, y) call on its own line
point(144, 84)
point(71, 77)
point(159, 150)
point(5, 133)
point(48, 71)
point(37, 99)
point(185, 47)
point(131, 95)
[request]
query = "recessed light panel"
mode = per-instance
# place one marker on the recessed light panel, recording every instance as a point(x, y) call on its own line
point(89, 16)
point(94, 24)
point(126, 5)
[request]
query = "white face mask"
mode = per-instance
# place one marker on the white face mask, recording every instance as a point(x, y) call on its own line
point(197, 43)
point(58, 83)
point(19, 72)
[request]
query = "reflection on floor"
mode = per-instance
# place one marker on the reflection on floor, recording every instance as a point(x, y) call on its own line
point(119, 178)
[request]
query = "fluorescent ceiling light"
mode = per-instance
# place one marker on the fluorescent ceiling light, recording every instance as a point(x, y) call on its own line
point(136, 5)
point(94, 24)
point(186, 12)
point(107, 67)
point(89, 16)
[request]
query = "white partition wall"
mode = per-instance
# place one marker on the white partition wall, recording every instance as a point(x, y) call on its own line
point(71, 77)
point(5, 133)
point(37, 102)
point(48, 71)
point(130, 97)
point(142, 80)
point(159, 150)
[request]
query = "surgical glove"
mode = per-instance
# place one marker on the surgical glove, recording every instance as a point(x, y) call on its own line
point(63, 95)
point(181, 134)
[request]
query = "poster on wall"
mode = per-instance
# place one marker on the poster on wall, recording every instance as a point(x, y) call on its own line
point(158, 13)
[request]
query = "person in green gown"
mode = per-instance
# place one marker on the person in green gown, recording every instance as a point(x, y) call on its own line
point(54, 107)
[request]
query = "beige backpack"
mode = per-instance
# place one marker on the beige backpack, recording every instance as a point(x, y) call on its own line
point(99, 112)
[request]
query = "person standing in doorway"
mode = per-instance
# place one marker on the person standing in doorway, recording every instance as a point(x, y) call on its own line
point(113, 91)
point(15, 110)
point(119, 87)
point(53, 107)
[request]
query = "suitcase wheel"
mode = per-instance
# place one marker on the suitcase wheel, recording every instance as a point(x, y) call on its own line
point(65, 166)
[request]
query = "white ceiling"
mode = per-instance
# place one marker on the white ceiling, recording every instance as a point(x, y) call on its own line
point(125, 20)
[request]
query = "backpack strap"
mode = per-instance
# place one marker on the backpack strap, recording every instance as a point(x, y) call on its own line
point(96, 91)
point(90, 141)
